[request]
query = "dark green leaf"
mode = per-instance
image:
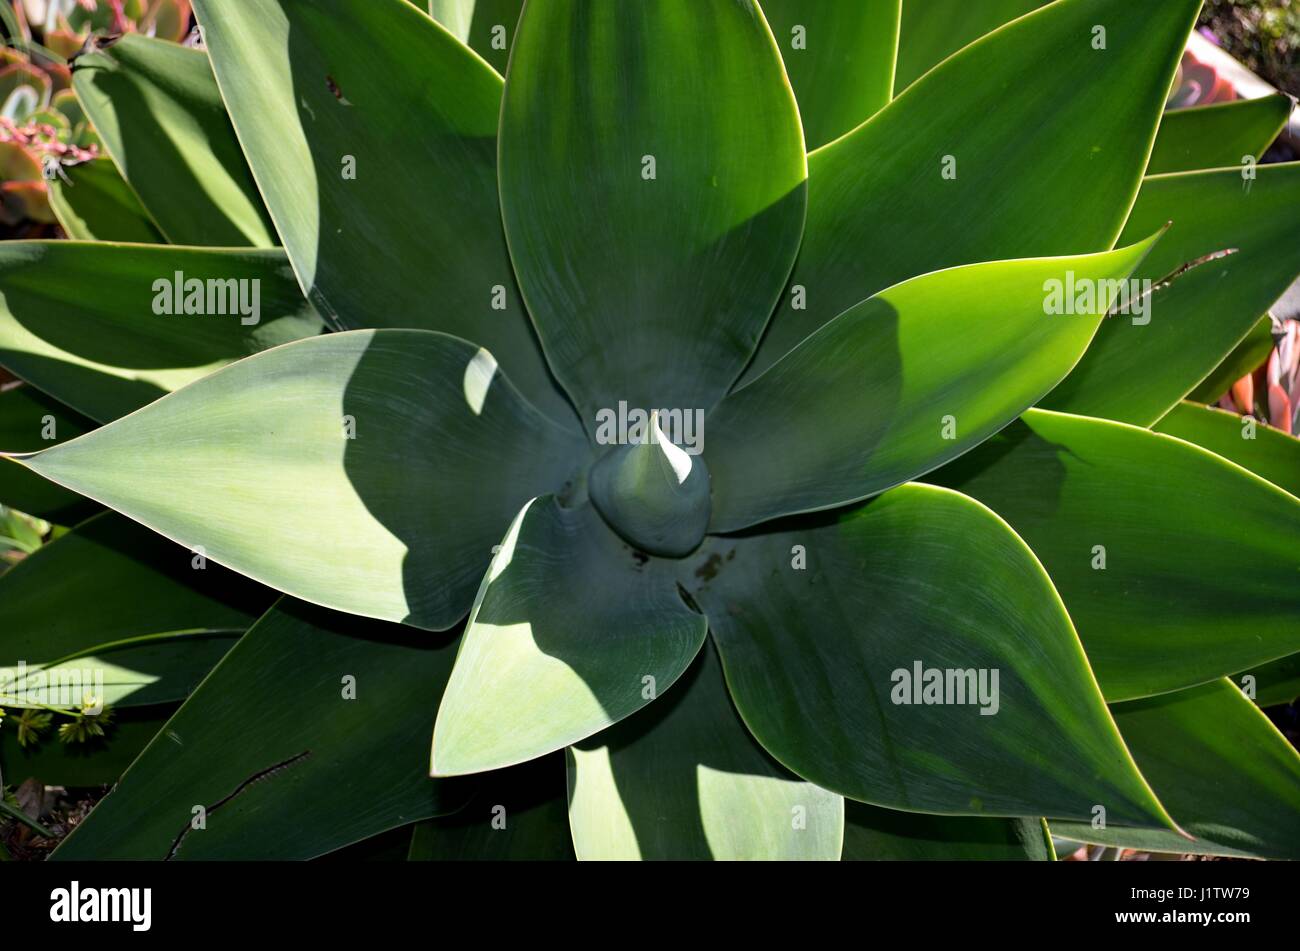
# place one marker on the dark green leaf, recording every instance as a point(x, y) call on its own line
point(833, 631)
point(1199, 555)
point(671, 106)
point(284, 764)
point(840, 59)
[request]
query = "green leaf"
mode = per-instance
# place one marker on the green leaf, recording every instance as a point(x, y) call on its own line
point(1218, 135)
point(685, 780)
point(161, 118)
point(901, 384)
point(112, 604)
point(1227, 775)
point(671, 106)
point(492, 31)
point(517, 814)
point(27, 416)
point(104, 327)
point(823, 623)
point(1256, 446)
point(872, 834)
point(369, 471)
point(840, 60)
point(932, 30)
point(285, 765)
point(454, 15)
point(1275, 682)
point(96, 204)
point(881, 208)
point(486, 26)
point(98, 762)
point(1141, 366)
point(1199, 554)
point(571, 631)
point(382, 181)
point(1245, 358)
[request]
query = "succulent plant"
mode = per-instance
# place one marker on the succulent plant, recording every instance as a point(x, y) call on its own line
point(715, 441)
point(43, 128)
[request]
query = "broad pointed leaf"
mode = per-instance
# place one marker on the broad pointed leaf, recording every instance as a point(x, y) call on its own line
point(160, 115)
point(30, 420)
point(108, 328)
point(1219, 135)
point(1227, 775)
point(93, 202)
point(1253, 445)
point(873, 834)
point(932, 30)
point(369, 471)
point(298, 743)
point(112, 605)
point(1177, 566)
point(1142, 365)
point(866, 652)
point(683, 779)
point(840, 60)
point(901, 384)
point(652, 190)
point(924, 186)
point(517, 814)
point(572, 630)
point(361, 164)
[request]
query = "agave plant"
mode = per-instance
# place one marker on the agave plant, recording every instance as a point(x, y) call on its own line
point(692, 428)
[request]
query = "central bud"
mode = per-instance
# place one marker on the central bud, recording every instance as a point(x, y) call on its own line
point(653, 494)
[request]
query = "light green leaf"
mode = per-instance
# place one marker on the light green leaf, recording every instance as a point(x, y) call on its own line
point(104, 327)
point(840, 60)
point(571, 631)
point(1199, 555)
point(1227, 775)
point(947, 173)
point(665, 168)
point(833, 631)
point(381, 179)
point(369, 471)
point(27, 417)
point(1218, 135)
point(1142, 365)
point(517, 814)
point(96, 204)
point(1253, 445)
point(932, 30)
point(160, 115)
point(873, 834)
point(685, 780)
point(298, 743)
point(112, 605)
point(901, 384)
